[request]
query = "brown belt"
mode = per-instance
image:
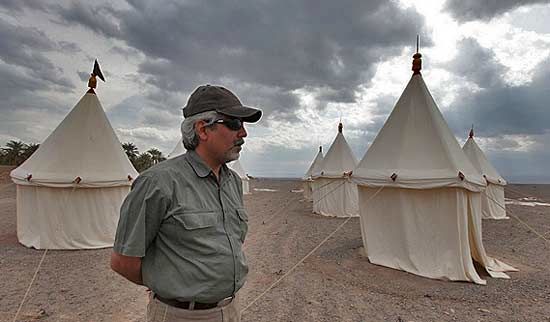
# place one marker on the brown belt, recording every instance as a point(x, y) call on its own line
point(191, 305)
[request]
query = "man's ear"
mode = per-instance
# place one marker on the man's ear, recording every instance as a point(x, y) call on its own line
point(201, 130)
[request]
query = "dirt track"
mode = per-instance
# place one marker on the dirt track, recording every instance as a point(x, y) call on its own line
point(337, 283)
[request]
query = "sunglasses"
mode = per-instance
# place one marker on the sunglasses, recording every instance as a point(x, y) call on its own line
point(232, 124)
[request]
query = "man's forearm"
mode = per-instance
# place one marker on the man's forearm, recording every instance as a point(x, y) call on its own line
point(133, 275)
point(127, 266)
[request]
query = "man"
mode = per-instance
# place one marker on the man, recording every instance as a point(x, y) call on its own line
point(183, 224)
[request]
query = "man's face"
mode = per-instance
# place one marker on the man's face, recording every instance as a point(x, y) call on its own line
point(225, 143)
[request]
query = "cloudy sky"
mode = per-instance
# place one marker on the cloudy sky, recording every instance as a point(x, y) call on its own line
point(307, 64)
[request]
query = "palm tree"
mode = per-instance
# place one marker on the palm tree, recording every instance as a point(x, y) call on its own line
point(131, 151)
point(3, 160)
point(13, 153)
point(29, 150)
point(143, 162)
point(156, 155)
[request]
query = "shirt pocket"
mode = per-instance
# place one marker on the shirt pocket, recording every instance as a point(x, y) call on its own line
point(197, 220)
point(197, 231)
point(243, 223)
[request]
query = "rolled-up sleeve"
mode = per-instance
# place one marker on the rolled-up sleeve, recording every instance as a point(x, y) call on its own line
point(141, 215)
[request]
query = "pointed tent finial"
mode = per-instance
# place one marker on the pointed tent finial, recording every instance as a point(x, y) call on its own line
point(472, 132)
point(340, 127)
point(417, 61)
point(92, 82)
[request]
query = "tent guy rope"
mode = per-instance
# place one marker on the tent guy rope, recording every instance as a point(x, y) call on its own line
point(328, 193)
point(275, 215)
point(518, 219)
point(29, 288)
point(304, 258)
point(326, 184)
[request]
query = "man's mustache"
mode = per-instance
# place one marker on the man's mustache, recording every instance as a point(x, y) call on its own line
point(239, 142)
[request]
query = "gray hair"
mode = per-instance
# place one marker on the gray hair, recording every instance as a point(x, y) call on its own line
point(188, 134)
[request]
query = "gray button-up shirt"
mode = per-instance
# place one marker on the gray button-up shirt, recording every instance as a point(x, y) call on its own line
point(188, 228)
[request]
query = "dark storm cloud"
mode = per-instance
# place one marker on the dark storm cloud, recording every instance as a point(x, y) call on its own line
point(125, 51)
point(172, 102)
point(365, 130)
point(477, 64)
point(278, 101)
point(15, 84)
point(274, 47)
point(283, 45)
point(497, 108)
point(69, 47)
point(384, 106)
point(12, 6)
point(466, 10)
point(25, 113)
point(147, 122)
point(504, 109)
point(161, 73)
point(100, 19)
point(26, 47)
point(84, 76)
point(523, 167)
point(141, 110)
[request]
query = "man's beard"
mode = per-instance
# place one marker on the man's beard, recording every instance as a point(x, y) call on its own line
point(234, 153)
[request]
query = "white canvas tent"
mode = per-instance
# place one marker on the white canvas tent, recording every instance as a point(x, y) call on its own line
point(314, 169)
point(420, 197)
point(492, 199)
point(70, 190)
point(237, 167)
point(178, 150)
point(333, 192)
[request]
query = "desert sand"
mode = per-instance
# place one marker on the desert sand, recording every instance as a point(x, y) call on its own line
point(336, 283)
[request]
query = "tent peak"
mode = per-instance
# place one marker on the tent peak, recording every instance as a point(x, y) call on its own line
point(92, 82)
point(340, 127)
point(471, 135)
point(417, 60)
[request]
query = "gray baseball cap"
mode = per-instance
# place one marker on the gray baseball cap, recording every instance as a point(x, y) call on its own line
point(219, 99)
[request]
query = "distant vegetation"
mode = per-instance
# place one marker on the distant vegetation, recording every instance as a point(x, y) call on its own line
point(142, 161)
point(16, 152)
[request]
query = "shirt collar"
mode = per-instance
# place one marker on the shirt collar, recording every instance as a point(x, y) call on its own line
point(200, 167)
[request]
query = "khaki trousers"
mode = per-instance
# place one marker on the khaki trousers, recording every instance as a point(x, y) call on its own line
point(160, 312)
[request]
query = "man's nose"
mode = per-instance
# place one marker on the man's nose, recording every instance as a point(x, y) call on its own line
point(242, 132)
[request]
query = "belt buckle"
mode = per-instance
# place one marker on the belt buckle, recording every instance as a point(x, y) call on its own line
point(226, 301)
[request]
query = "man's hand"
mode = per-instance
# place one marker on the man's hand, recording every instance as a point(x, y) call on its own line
point(127, 266)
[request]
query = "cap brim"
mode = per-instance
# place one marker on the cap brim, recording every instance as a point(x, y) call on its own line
point(247, 114)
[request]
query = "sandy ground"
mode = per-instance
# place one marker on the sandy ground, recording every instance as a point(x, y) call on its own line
point(336, 283)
